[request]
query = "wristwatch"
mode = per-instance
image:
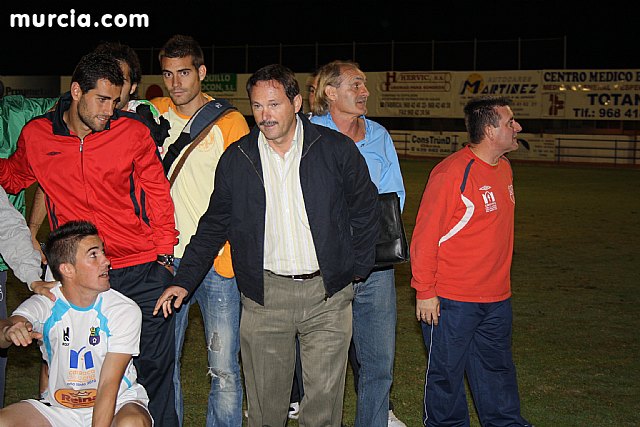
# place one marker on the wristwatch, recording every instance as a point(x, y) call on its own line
point(166, 260)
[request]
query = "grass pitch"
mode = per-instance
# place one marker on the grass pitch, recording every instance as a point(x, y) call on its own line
point(576, 299)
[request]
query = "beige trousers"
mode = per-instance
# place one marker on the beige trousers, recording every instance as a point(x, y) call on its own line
point(267, 343)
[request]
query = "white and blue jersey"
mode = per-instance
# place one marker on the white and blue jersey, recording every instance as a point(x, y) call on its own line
point(76, 341)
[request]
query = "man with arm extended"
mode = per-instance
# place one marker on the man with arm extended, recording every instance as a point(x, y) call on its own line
point(87, 336)
point(297, 205)
point(183, 69)
point(107, 157)
point(15, 246)
point(461, 254)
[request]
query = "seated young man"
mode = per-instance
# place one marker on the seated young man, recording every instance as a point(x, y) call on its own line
point(87, 337)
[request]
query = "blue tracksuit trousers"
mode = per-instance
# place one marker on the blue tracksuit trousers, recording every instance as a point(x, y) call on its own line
point(472, 339)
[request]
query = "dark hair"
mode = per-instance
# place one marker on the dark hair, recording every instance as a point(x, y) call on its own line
point(330, 75)
point(124, 53)
point(480, 112)
point(180, 46)
point(280, 74)
point(63, 244)
point(95, 66)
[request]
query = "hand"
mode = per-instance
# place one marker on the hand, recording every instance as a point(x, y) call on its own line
point(428, 310)
point(44, 288)
point(173, 294)
point(21, 333)
point(38, 247)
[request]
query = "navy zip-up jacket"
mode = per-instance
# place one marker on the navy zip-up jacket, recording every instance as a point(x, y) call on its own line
point(340, 200)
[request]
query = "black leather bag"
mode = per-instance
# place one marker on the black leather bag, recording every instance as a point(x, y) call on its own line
point(392, 247)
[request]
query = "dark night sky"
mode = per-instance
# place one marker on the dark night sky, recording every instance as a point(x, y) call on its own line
point(597, 37)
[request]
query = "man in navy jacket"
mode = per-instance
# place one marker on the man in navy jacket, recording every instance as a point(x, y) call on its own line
point(296, 202)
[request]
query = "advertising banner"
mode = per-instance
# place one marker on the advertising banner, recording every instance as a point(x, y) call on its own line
point(535, 147)
point(546, 94)
point(410, 94)
point(441, 144)
point(591, 94)
point(427, 144)
point(521, 87)
point(220, 84)
point(30, 86)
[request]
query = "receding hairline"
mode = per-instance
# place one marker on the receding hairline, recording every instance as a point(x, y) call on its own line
point(346, 67)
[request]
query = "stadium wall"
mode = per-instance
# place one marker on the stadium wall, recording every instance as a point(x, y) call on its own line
point(578, 116)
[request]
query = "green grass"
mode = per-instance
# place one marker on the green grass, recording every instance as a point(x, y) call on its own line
point(576, 305)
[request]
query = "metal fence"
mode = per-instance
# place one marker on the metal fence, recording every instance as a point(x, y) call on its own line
point(616, 152)
point(475, 54)
point(562, 149)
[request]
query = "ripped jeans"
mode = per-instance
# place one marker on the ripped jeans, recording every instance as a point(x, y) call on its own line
point(219, 301)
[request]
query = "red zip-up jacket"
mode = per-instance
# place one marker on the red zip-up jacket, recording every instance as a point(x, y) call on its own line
point(99, 179)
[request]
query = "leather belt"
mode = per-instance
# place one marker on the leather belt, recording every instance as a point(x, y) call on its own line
point(297, 276)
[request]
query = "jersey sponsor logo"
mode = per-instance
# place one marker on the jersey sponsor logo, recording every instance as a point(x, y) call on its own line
point(82, 370)
point(94, 336)
point(75, 399)
point(66, 337)
point(75, 356)
point(490, 204)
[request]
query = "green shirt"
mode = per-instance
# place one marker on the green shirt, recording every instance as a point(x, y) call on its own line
point(15, 112)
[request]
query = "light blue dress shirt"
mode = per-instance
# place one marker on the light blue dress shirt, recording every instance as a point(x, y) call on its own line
point(380, 154)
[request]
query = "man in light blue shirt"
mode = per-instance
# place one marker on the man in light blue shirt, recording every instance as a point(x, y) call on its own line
point(341, 104)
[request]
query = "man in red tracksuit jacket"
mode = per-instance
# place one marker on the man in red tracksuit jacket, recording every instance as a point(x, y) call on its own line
point(92, 162)
point(461, 253)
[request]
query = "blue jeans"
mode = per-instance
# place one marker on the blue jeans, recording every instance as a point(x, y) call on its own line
point(219, 301)
point(374, 336)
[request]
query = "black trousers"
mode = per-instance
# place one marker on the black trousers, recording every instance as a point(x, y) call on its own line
point(144, 283)
point(3, 315)
point(297, 390)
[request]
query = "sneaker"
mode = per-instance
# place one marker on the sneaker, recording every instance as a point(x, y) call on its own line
point(294, 410)
point(394, 421)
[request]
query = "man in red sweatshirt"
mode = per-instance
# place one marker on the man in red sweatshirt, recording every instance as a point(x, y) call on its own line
point(461, 259)
point(93, 161)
